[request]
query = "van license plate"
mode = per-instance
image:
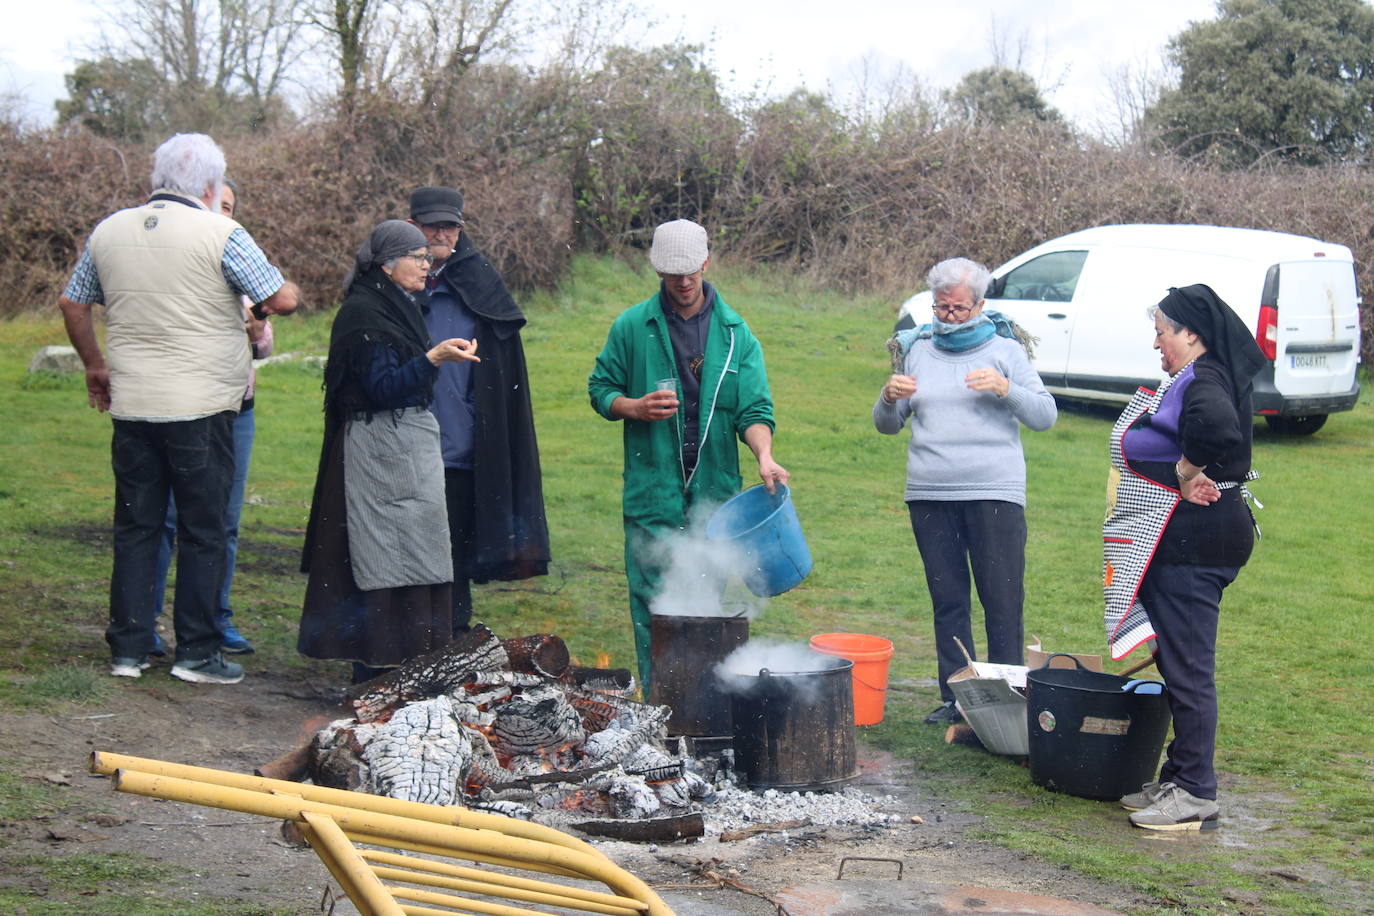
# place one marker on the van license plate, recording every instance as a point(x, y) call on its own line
point(1308, 360)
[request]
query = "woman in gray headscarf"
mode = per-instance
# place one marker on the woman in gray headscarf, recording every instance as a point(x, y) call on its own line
point(377, 546)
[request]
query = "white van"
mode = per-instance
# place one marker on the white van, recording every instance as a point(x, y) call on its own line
point(1085, 295)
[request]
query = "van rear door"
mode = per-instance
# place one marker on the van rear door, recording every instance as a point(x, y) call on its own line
point(1318, 325)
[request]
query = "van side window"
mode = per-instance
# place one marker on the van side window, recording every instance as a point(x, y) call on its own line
point(1049, 278)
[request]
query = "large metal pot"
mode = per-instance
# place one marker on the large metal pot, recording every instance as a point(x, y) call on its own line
point(686, 651)
point(794, 730)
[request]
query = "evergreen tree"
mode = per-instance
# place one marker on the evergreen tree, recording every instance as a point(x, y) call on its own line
point(1293, 78)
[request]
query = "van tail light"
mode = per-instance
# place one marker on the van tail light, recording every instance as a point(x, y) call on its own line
point(1267, 332)
point(1267, 328)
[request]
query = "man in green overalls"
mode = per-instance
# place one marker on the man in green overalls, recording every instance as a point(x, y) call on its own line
point(686, 375)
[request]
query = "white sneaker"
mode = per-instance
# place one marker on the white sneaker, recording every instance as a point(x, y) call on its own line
point(1135, 801)
point(128, 667)
point(1176, 809)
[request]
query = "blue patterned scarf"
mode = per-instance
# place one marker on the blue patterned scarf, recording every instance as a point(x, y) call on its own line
point(965, 336)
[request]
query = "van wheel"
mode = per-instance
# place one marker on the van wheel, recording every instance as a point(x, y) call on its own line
point(1297, 426)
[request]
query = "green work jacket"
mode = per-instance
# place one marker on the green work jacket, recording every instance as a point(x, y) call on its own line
point(734, 396)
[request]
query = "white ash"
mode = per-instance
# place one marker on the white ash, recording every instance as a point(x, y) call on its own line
point(485, 767)
point(625, 747)
point(467, 712)
point(679, 793)
point(734, 808)
point(631, 797)
point(488, 698)
point(627, 735)
point(497, 677)
point(420, 754)
point(538, 718)
point(502, 807)
point(336, 748)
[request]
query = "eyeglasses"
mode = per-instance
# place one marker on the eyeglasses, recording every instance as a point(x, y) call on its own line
point(957, 310)
point(426, 258)
point(441, 227)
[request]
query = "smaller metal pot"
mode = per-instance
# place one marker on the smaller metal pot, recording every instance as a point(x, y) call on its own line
point(794, 730)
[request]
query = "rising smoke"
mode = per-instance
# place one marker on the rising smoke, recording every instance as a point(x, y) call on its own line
point(702, 578)
point(740, 671)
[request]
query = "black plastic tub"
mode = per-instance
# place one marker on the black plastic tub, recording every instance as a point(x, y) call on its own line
point(1089, 736)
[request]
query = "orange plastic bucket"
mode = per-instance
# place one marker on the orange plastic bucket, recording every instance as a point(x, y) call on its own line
point(870, 655)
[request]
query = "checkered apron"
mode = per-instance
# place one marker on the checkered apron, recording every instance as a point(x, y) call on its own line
point(1131, 533)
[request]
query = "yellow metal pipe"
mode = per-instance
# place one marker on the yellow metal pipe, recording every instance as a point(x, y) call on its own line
point(107, 762)
point(447, 869)
point(451, 839)
point(448, 852)
point(464, 904)
point(548, 898)
point(363, 887)
point(350, 819)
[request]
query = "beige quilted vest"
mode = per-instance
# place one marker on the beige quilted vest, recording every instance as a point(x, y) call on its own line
point(175, 344)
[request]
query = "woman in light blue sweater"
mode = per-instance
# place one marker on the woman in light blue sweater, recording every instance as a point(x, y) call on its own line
point(967, 387)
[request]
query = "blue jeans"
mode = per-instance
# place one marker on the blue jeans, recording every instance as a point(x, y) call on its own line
point(245, 426)
point(192, 460)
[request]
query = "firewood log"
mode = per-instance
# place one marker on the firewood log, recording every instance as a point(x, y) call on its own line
point(542, 653)
point(430, 675)
point(291, 766)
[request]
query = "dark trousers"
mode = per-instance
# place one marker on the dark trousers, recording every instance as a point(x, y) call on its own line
point(461, 502)
point(1184, 603)
point(193, 459)
point(988, 536)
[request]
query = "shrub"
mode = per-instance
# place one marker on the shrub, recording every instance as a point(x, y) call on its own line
point(553, 161)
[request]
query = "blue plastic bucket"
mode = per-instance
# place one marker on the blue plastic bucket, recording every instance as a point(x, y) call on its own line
point(764, 528)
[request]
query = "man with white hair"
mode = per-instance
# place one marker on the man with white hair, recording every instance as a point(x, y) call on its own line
point(170, 273)
point(680, 435)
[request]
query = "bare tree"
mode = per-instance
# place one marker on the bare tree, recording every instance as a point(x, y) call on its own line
point(349, 25)
point(218, 62)
point(579, 33)
point(1132, 89)
point(451, 38)
point(267, 39)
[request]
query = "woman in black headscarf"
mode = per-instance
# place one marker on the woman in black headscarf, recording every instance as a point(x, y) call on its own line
point(377, 546)
point(1179, 531)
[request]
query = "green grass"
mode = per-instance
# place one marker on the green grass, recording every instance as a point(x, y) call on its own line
point(123, 883)
point(1296, 673)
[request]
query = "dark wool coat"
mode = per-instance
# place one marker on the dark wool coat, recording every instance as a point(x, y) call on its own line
point(512, 537)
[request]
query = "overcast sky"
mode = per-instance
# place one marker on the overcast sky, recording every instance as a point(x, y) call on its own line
point(1068, 46)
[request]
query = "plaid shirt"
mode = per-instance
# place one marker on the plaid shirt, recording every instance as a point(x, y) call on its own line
point(245, 268)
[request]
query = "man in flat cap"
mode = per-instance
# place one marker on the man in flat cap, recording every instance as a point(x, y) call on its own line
point(680, 448)
point(492, 481)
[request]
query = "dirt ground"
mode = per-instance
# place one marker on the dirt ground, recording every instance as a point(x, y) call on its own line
point(228, 856)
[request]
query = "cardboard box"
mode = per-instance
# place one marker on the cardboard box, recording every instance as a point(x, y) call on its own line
point(1036, 658)
point(988, 697)
point(992, 697)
